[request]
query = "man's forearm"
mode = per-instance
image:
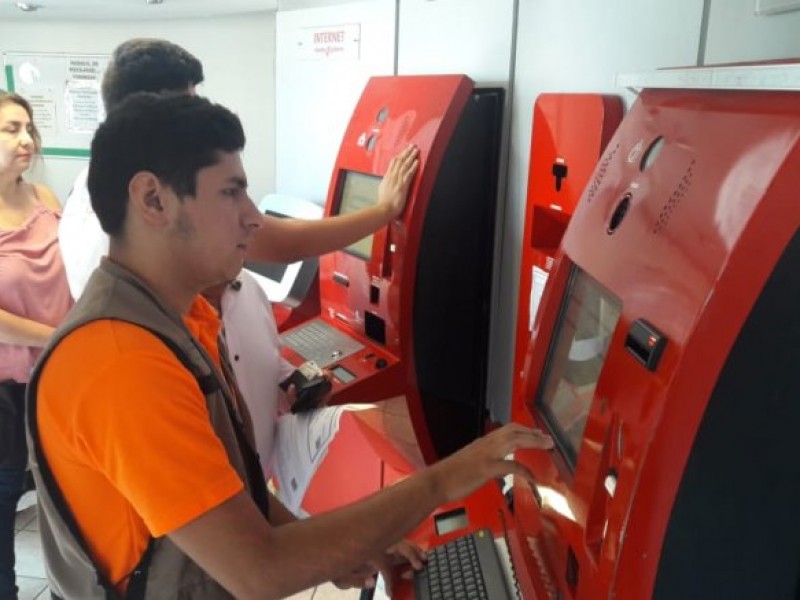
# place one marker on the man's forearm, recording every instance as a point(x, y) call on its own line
point(290, 240)
point(237, 547)
point(278, 513)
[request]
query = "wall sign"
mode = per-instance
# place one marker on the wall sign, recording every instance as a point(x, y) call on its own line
point(64, 92)
point(330, 42)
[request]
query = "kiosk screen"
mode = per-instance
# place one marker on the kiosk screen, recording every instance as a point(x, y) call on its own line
point(273, 271)
point(358, 191)
point(578, 350)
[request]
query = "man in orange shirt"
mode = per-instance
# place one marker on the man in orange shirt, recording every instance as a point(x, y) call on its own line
point(141, 444)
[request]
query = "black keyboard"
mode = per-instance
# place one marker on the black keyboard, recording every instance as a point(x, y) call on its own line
point(465, 568)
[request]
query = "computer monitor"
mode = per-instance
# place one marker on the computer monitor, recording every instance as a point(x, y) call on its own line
point(357, 191)
point(588, 317)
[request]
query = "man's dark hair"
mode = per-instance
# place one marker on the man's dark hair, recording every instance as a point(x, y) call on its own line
point(148, 65)
point(171, 136)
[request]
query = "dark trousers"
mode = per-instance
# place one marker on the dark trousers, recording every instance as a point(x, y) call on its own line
point(13, 459)
point(12, 483)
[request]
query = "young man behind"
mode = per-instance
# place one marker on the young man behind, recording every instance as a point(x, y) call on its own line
point(138, 433)
point(156, 65)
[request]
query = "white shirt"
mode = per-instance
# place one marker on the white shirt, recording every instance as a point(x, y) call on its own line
point(83, 242)
point(254, 350)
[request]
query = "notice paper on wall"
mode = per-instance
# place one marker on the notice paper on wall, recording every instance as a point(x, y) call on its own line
point(64, 92)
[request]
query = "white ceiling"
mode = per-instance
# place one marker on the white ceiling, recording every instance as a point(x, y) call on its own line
point(114, 10)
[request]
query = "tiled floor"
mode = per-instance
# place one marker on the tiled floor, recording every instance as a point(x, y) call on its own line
point(31, 576)
point(30, 568)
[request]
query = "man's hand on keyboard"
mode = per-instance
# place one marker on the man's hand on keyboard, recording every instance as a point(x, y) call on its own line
point(362, 577)
point(407, 551)
point(404, 552)
point(465, 471)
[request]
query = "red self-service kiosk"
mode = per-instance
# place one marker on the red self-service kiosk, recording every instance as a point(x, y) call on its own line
point(664, 362)
point(568, 136)
point(405, 311)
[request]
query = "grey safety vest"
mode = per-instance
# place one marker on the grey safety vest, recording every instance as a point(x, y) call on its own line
point(164, 571)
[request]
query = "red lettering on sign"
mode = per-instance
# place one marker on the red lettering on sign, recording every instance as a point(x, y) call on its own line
point(327, 37)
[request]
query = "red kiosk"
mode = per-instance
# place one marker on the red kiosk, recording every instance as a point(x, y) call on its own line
point(405, 312)
point(665, 341)
point(664, 359)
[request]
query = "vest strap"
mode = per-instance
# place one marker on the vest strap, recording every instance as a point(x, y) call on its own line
point(55, 492)
point(137, 579)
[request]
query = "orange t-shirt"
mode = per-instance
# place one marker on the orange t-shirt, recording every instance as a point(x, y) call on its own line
point(125, 429)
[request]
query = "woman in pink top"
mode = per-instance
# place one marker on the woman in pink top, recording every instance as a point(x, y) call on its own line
point(34, 297)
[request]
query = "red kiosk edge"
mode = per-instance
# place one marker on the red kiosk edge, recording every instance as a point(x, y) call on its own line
point(569, 134)
point(404, 316)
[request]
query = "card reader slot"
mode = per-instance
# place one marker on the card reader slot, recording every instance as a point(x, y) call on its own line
point(645, 343)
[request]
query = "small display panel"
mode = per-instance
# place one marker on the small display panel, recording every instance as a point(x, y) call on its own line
point(578, 350)
point(357, 191)
point(449, 521)
point(342, 374)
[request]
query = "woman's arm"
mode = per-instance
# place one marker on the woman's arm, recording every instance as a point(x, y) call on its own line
point(23, 332)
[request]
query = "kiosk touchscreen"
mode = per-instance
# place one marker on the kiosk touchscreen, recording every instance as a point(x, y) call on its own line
point(359, 190)
point(405, 310)
point(577, 355)
point(664, 363)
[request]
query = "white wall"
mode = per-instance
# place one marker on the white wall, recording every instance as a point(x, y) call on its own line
point(473, 37)
point(735, 33)
point(238, 61)
point(316, 94)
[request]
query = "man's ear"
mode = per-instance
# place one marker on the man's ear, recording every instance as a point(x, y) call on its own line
point(145, 192)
